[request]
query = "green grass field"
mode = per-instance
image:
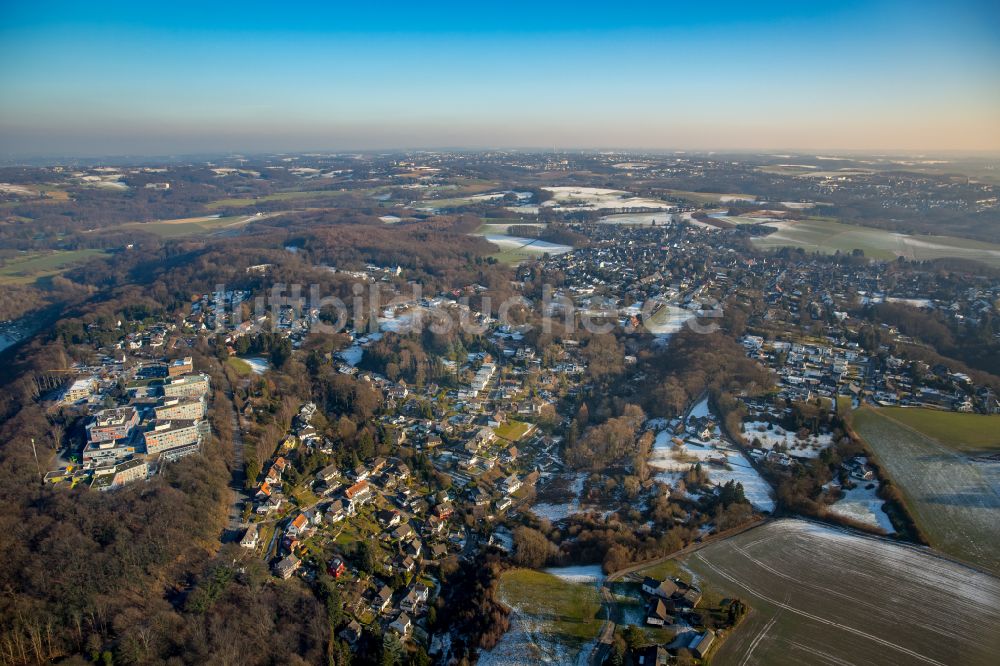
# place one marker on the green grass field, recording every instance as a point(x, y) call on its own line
point(970, 433)
point(302, 496)
point(513, 430)
point(463, 187)
point(297, 195)
point(787, 170)
point(844, 404)
point(822, 234)
point(28, 268)
point(454, 202)
point(500, 226)
point(705, 197)
point(567, 612)
point(667, 568)
point(241, 367)
point(513, 256)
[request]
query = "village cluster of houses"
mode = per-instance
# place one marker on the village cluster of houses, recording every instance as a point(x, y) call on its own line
point(470, 435)
point(840, 368)
point(670, 601)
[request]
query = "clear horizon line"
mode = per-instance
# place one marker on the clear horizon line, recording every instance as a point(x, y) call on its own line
point(13, 157)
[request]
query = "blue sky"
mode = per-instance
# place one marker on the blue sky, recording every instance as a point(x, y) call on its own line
point(145, 78)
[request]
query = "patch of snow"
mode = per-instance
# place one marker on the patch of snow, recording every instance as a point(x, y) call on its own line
point(580, 573)
point(861, 503)
point(638, 219)
point(352, 355)
point(700, 411)
point(531, 244)
point(257, 364)
point(722, 461)
point(572, 198)
point(798, 448)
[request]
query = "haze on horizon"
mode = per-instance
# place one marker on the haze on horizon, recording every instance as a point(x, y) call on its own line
point(132, 78)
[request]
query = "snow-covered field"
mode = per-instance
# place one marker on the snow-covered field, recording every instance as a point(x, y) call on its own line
point(393, 321)
point(723, 461)
point(668, 320)
point(861, 503)
point(527, 643)
point(637, 219)
point(951, 499)
point(912, 302)
point(570, 198)
point(10, 188)
point(352, 355)
point(800, 448)
point(580, 573)
point(257, 364)
point(700, 410)
point(823, 595)
point(537, 633)
point(529, 244)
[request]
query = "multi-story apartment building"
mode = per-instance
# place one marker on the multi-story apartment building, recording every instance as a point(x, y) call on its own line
point(79, 390)
point(188, 386)
point(111, 424)
point(166, 435)
point(181, 408)
point(180, 366)
point(116, 476)
point(108, 452)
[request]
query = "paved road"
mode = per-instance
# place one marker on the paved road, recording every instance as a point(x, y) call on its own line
point(235, 526)
point(607, 636)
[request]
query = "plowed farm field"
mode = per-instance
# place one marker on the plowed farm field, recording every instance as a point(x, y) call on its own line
point(823, 595)
point(950, 495)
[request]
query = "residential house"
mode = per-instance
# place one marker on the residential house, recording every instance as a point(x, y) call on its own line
point(336, 512)
point(402, 625)
point(415, 598)
point(691, 597)
point(402, 532)
point(298, 525)
point(700, 644)
point(359, 490)
point(336, 568)
point(404, 564)
point(328, 474)
point(351, 634)
point(388, 518)
point(650, 655)
point(413, 548)
point(287, 566)
point(511, 484)
point(659, 588)
point(382, 599)
point(251, 537)
point(658, 614)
